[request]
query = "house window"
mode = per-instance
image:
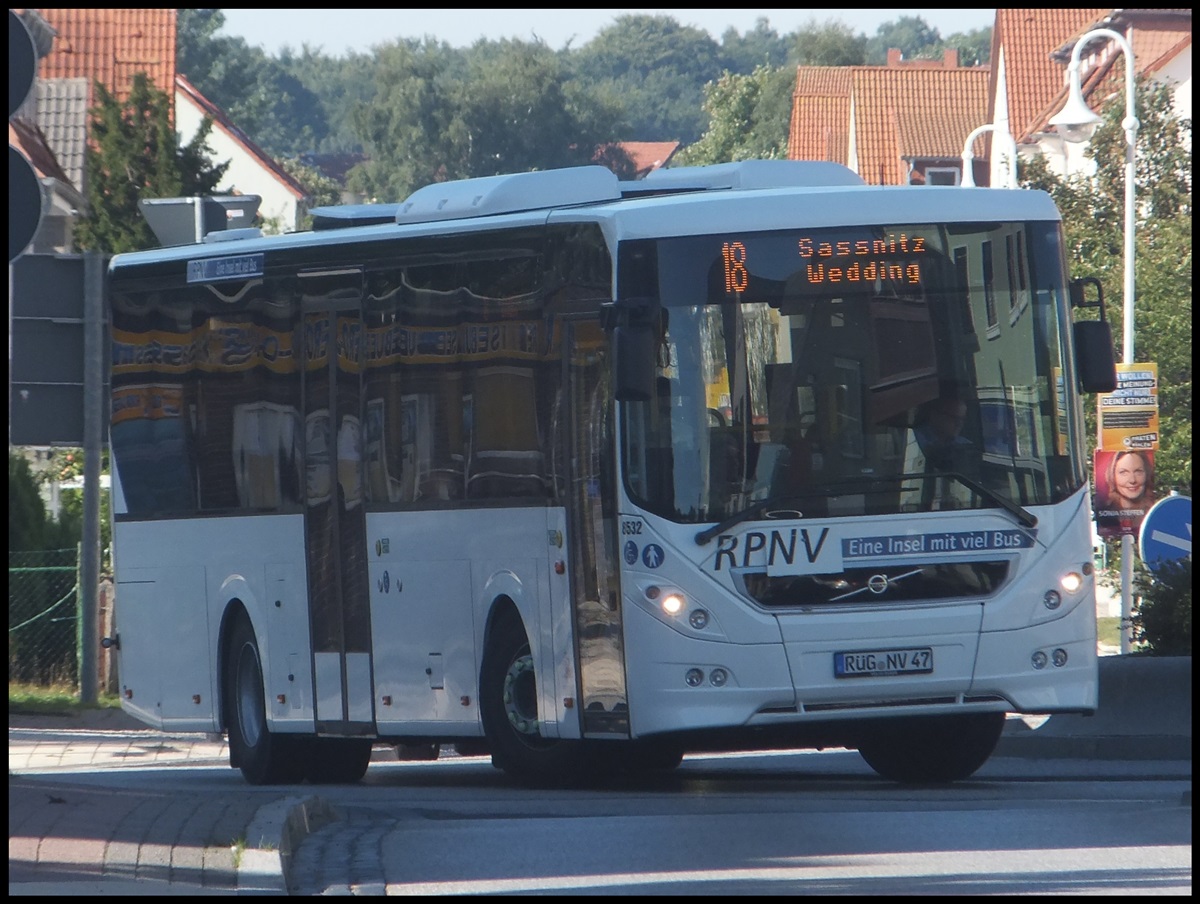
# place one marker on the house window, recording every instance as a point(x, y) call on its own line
point(989, 292)
point(941, 175)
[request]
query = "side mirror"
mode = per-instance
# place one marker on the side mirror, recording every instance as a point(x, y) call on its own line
point(1095, 361)
point(1094, 358)
point(636, 326)
point(635, 348)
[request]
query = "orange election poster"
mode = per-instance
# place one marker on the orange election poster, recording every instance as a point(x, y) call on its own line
point(1128, 417)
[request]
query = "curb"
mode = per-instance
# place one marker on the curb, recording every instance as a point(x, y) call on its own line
point(272, 837)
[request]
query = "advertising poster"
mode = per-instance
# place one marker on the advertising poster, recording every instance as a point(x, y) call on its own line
point(1124, 491)
point(1127, 418)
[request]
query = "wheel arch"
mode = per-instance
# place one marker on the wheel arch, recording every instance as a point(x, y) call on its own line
point(502, 606)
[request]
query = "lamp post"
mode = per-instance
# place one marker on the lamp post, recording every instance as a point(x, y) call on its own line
point(1077, 122)
point(968, 156)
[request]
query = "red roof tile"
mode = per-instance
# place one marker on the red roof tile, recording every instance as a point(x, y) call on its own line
point(901, 114)
point(820, 123)
point(898, 113)
point(649, 155)
point(111, 45)
point(1023, 39)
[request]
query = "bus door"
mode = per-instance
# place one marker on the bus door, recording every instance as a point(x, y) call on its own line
point(592, 520)
point(334, 522)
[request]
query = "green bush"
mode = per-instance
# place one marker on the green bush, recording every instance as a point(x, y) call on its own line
point(1162, 619)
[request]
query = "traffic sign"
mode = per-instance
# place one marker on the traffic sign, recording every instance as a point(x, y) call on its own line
point(24, 189)
point(22, 63)
point(24, 203)
point(1167, 531)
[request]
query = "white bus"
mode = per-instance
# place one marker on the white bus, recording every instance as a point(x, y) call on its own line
point(588, 474)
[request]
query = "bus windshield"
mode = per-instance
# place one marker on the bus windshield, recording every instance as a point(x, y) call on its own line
point(867, 370)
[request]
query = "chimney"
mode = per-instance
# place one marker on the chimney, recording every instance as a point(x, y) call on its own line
point(894, 56)
point(950, 60)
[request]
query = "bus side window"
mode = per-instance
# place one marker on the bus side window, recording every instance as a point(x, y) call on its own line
point(506, 458)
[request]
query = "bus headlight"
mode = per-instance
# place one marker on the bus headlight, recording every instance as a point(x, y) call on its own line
point(1071, 581)
point(1052, 600)
point(672, 603)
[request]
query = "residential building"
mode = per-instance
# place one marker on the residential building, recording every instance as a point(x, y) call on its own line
point(900, 124)
point(907, 122)
point(85, 46)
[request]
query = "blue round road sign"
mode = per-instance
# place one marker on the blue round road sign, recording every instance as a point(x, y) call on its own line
point(1166, 533)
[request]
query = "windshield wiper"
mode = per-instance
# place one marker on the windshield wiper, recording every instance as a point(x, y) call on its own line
point(1022, 514)
point(1025, 517)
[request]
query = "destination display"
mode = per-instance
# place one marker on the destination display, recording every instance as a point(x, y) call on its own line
point(829, 259)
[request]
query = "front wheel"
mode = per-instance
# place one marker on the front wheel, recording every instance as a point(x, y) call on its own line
point(263, 757)
point(338, 761)
point(508, 702)
point(932, 749)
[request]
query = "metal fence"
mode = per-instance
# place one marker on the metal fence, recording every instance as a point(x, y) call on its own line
point(43, 620)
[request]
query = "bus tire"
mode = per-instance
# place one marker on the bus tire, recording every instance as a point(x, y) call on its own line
point(934, 749)
point(338, 761)
point(653, 755)
point(264, 758)
point(508, 709)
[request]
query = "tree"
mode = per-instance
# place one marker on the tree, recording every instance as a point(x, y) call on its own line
point(516, 110)
point(760, 46)
point(134, 153)
point(831, 43)
point(1093, 221)
point(27, 522)
point(912, 35)
point(974, 47)
point(1163, 618)
point(320, 190)
point(267, 98)
point(658, 68)
point(412, 128)
point(746, 121)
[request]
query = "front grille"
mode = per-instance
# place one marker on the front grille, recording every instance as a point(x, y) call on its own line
point(878, 584)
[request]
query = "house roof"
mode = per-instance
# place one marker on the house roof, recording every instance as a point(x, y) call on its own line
point(648, 155)
point(110, 45)
point(29, 140)
point(1156, 36)
point(820, 125)
point(893, 122)
point(1022, 41)
point(1037, 44)
point(880, 115)
point(223, 123)
point(62, 115)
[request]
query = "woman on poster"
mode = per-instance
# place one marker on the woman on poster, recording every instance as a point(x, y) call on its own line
point(1127, 492)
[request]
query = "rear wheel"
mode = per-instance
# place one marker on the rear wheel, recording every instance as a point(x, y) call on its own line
point(934, 749)
point(508, 707)
point(264, 758)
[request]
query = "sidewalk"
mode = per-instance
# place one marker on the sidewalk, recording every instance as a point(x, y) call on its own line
point(67, 838)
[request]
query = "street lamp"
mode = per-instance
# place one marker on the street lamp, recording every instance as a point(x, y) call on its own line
point(1076, 122)
point(1009, 158)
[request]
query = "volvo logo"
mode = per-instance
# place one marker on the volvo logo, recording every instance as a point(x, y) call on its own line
point(877, 583)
